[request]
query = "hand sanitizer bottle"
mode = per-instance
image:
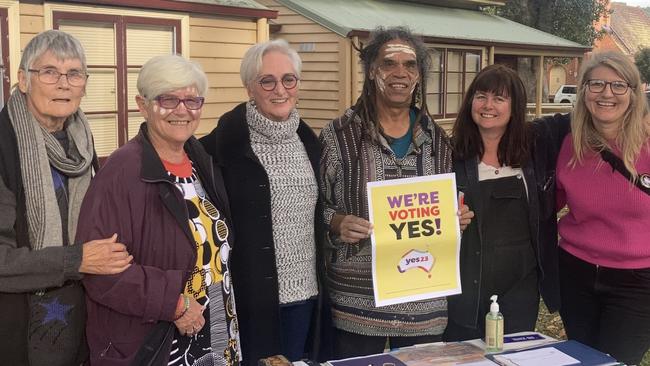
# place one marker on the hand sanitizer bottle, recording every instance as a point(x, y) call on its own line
point(494, 328)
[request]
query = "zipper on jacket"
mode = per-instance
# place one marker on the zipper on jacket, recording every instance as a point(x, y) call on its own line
point(103, 353)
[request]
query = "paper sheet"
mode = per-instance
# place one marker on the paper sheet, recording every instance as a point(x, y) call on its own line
point(538, 357)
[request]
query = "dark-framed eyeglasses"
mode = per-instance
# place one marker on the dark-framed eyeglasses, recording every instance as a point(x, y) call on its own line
point(598, 86)
point(269, 83)
point(172, 101)
point(49, 75)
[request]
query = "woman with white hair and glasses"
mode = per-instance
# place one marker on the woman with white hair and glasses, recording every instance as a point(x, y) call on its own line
point(46, 163)
point(162, 195)
point(268, 156)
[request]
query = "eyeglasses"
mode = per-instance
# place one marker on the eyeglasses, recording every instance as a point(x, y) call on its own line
point(289, 81)
point(172, 101)
point(598, 86)
point(52, 76)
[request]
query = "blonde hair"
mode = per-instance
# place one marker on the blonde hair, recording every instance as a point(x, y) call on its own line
point(633, 134)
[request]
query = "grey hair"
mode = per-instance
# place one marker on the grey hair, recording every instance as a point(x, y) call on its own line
point(162, 74)
point(251, 64)
point(61, 44)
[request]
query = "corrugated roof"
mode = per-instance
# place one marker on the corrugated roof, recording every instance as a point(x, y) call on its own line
point(236, 3)
point(344, 16)
point(631, 25)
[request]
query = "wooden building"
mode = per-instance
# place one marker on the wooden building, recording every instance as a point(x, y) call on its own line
point(462, 39)
point(120, 35)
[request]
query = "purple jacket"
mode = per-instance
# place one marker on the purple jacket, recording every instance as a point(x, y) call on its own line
point(133, 197)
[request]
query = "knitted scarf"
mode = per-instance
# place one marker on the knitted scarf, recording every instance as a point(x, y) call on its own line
point(38, 150)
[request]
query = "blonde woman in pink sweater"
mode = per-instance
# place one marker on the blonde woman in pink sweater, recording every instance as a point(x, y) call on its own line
point(605, 239)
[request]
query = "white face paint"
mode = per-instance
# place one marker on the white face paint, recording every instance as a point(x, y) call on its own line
point(396, 73)
point(392, 49)
point(380, 80)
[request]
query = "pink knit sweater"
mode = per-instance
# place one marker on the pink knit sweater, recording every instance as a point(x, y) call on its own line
point(608, 223)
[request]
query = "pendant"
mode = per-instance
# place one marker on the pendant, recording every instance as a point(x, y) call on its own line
point(645, 180)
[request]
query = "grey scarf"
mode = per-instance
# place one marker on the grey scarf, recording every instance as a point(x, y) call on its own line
point(37, 150)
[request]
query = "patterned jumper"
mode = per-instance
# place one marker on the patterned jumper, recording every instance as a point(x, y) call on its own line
point(349, 160)
point(294, 192)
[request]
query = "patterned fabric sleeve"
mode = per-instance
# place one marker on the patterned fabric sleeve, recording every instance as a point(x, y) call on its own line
point(330, 174)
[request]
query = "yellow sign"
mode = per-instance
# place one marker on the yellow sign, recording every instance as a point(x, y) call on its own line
point(416, 238)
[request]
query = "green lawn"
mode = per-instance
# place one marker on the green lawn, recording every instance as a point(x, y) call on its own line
point(551, 324)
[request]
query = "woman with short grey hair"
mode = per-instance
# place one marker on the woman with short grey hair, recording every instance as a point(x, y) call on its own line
point(268, 156)
point(175, 305)
point(47, 160)
point(253, 62)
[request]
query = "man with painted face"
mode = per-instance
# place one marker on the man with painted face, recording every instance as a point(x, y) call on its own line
point(387, 134)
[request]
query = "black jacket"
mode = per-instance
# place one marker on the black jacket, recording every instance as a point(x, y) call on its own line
point(539, 174)
point(253, 257)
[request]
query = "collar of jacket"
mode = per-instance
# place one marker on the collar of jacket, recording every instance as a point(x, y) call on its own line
point(234, 139)
point(153, 171)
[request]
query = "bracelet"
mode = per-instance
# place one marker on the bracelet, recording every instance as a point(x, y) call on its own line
point(186, 306)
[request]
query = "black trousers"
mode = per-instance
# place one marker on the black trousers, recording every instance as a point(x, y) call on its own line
point(348, 344)
point(606, 308)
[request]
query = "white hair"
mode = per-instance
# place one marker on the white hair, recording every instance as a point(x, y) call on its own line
point(162, 74)
point(251, 64)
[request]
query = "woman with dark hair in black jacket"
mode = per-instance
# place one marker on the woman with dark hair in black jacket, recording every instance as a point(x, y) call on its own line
point(503, 170)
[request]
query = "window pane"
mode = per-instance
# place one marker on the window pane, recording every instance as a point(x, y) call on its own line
point(468, 79)
point(453, 103)
point(433, 102)
point(145, 41)
point(97, 38)
point(436, 59)
point(104, 129)
point(454, 61)
point(100, 91)
point(454, 82)
point(132, 87)
point(135, 119)
point(472, 62)
point(434, 82)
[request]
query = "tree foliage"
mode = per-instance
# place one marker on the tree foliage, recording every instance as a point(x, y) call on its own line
point(570, 19)
point(642, 61)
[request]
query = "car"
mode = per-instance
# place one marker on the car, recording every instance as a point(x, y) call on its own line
point(565, 94)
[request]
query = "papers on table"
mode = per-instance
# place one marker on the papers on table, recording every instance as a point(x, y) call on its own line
point(537, 357)
point(560, 353)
